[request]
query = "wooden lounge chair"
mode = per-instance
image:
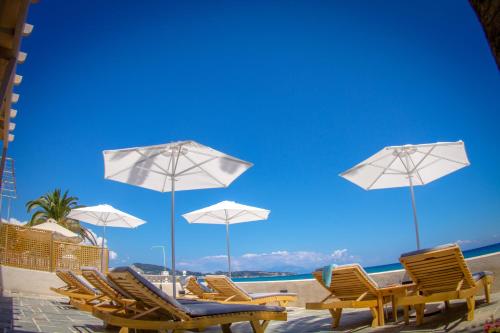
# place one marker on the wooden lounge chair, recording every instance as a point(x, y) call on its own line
point(194, 287)
point(231, 293)
point(441, 274)
point(351, 287)
point(75, 287)
point(108, 296)
point(154, 310)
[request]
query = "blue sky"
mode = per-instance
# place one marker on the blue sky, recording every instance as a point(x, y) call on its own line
point(304, 90)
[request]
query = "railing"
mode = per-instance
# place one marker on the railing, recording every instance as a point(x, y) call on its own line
point(29, 248)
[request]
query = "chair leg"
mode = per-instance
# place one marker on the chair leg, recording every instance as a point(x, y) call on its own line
point(487, 290)
point(394, 309)
point(336, 313)
point(226, 328)
point(406, 314)
point(123, 330)
point(259, 327)
point(380, 308)
point(420, 313)
point(374, 312)
point(470, 308)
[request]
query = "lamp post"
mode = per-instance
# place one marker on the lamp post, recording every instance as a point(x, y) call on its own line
point(164, 260)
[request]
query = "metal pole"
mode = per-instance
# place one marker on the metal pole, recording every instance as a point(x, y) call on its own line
point(228, 251)
point(172, 230)
point(102, 247)
point(414, 212)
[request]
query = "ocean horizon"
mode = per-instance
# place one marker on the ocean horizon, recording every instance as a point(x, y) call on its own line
point(471, 253)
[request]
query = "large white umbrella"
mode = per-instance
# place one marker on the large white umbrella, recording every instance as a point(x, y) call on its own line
point(176, 166)
point(227, 212)
point(408, 165)
point(105, 216)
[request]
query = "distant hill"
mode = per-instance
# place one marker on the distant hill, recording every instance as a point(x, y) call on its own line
point(156, 269)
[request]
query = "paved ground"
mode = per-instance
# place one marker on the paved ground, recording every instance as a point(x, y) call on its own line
point(20, 313)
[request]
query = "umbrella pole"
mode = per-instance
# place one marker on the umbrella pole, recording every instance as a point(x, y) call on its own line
point(172, 239)
point(415, 220)
point(102, 247)
point(228, 252)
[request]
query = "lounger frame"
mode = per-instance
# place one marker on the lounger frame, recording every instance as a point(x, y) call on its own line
point(232, 294)
point(150, 310)
point(350, 287)
point(441, 275)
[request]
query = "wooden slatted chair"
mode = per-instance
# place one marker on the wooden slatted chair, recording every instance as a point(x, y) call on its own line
point(351, 287)
point(441, 274)
point(75, 288)
point(194, 287)
point(108, 296)
point(231, 293)
point(154, 310)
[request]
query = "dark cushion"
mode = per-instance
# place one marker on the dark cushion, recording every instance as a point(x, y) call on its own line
point(414, 253)
point(479, 275)
point(200, 309)
point(262, 295)
point(168, 299)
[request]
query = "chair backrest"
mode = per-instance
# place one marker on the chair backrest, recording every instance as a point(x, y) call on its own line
point(103, 284)
point(195, 287)
point(147, 294)
point(74, 281)
point(438, 269)
point(224, 286)
point(349, 282)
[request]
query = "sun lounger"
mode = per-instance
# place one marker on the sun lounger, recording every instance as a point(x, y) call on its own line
point(154, 310)
point(108, 296)
point(76, 288)
point(441, 274)
point(231, 293)
point(194, 287)
point(351, 287)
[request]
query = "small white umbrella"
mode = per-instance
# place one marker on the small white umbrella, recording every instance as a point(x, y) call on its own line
point(52, 225)
point(105, 216)
point(408, 165)
point(176, 166)
point(227, 212)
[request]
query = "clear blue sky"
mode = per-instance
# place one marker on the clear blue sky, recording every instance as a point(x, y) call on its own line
point(304, 90)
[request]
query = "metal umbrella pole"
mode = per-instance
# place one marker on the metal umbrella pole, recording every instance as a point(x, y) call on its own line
point(102, 246)
point(228, 251)
point(415, 220)
point(172, 238)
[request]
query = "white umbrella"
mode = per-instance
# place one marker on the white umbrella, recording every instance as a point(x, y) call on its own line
point(408, 165)
point(105, 216)
point(52, 225)
point(176, 166)
point(227, 212)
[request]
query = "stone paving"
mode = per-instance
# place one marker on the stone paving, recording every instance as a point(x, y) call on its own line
point(19, 313)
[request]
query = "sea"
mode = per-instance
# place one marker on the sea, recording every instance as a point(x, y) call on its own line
point(480, 251)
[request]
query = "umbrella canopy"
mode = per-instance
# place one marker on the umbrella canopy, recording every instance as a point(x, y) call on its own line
point(176, 166)
point(52, 225)
point(408, 165)
point(227, 212)
point(105, 216)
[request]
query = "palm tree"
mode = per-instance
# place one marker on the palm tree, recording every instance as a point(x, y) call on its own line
point(53, 205)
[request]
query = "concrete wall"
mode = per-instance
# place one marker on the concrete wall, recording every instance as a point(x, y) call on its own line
point(29, 282)
point(37, 282)
point(312, 291)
